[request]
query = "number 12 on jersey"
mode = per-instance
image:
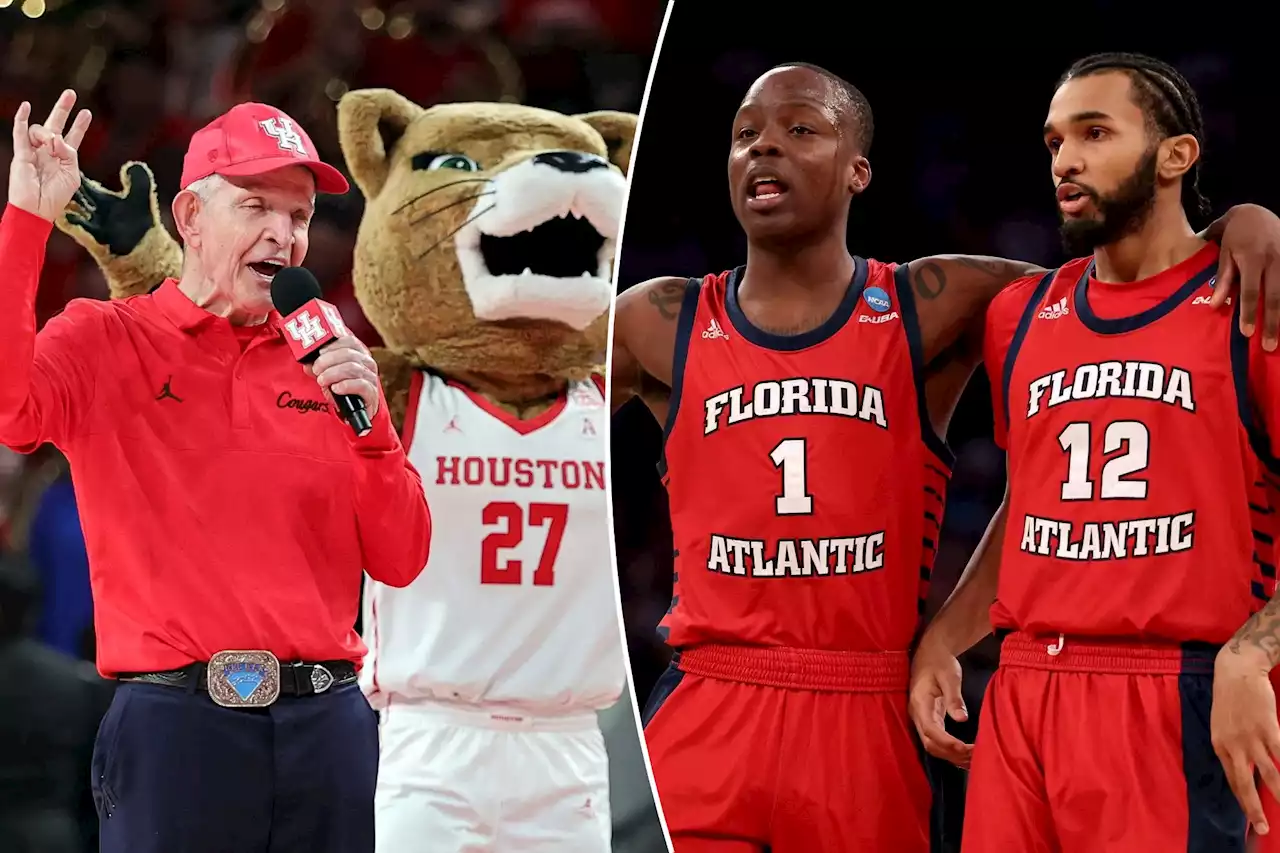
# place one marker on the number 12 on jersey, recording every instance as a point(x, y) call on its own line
point(1130, 436)
point(511, 515)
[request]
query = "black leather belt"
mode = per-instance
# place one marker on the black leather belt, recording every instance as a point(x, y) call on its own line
point(296, 679)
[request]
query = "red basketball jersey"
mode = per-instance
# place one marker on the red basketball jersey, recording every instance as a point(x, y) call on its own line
point(1137, 505)
point(806, 488)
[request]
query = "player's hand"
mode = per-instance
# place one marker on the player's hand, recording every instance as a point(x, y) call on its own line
point(935, 694)
point(45, 171)
point(1250, 258)
point(1246, 734)
point(345, 366)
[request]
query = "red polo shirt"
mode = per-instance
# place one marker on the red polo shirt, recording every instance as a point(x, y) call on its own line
point(223, 505)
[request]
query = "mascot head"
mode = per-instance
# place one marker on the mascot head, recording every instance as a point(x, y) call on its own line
point(489, 232)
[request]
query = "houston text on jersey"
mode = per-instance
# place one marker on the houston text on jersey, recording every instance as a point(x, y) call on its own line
point(797, 396)
point(521, 473)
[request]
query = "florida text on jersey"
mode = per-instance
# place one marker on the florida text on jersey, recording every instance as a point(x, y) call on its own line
point(806, 488)
point(1138, 505)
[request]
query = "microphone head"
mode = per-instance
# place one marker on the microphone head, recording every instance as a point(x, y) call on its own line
point(293, 287)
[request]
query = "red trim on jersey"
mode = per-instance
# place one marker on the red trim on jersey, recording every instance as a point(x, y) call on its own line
point(524, 427)
point(599, 380)
point(411, 409)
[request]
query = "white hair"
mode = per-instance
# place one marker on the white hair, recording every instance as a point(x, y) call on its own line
point(205, 188)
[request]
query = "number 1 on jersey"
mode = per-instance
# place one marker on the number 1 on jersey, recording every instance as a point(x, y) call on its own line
point(1132, 436)
point(792, 457)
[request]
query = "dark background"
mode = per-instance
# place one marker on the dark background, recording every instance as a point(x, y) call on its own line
point(153, 71)
point(958, 166)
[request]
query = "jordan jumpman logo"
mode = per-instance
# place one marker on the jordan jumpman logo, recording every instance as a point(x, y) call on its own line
point(165, 393)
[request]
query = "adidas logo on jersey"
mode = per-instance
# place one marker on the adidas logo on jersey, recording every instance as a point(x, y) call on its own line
point(714, 331)
point(1055, 311)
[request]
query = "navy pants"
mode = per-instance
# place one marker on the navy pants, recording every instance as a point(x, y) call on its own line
point(175, 773)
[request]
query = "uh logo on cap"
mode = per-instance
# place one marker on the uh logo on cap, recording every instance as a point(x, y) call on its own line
point(281, 129)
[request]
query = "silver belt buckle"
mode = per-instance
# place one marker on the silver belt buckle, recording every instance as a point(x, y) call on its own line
point(244, 679)
point(321, 679)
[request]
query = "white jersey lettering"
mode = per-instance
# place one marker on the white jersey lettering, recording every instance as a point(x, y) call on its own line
point(796, 558)
point(1128, 379)
point(1108, 540)
point(798, 396)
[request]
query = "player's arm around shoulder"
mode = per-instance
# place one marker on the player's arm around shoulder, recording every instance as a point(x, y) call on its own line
point(642, 359)
point(952, 293)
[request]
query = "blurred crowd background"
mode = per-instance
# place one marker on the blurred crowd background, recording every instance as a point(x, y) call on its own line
point(959, 166)
point(153, 71)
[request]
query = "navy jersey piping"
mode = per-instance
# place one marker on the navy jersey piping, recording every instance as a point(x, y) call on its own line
point(1019, 337)
point(1120, 325)
point(915, 345)
point(1253, 427)
point(804, 340)
point(684, 331)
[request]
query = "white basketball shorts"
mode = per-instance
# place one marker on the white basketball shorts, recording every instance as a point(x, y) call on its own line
point(471, 780)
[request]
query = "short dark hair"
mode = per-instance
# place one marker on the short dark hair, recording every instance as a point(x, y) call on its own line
point(858, 109)
point(1167, 101)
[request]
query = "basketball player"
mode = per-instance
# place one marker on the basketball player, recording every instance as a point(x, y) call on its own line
point(1135, 536)
point(806, 471)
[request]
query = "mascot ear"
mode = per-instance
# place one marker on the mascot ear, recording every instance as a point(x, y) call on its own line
point(370, 124)
point(619, 132)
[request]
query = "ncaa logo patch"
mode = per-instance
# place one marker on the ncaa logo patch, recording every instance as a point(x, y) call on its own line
point(877, 299)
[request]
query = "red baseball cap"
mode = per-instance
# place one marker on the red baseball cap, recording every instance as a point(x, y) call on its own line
point(252, 139)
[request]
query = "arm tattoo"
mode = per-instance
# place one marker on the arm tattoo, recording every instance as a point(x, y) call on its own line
point(929, 281)
point(667, 299)
point(1262, 631)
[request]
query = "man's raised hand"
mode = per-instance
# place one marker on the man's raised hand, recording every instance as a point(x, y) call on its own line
point(45, 172)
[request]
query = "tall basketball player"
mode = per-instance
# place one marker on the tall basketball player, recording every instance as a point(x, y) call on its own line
point(1136, 537)
point(806, 473)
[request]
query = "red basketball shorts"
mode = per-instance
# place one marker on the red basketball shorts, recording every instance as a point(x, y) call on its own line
point(787, 750)
point(1099, 749)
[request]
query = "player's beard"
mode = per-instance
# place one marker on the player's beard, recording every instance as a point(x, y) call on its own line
point(1119, 214)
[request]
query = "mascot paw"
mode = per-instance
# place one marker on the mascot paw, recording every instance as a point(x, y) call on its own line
point(123, 231)
point(115, 221)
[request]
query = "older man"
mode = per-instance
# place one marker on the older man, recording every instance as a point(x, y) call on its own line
point(226, 534)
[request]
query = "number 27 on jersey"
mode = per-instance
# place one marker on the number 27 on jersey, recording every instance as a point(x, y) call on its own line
point(514, 519)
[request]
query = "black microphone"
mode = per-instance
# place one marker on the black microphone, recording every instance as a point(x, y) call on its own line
point(310, 324)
